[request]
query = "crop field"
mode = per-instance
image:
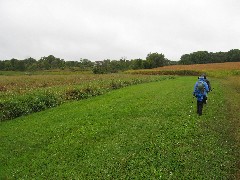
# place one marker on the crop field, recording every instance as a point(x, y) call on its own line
point(147, 128)
point(213, 70)
point(211, 66)
point(25, 83)
point(25, 94)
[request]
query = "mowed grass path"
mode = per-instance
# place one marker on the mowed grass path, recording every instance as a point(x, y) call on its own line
point(147, 131)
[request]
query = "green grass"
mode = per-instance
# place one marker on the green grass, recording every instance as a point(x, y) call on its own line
point(146, 131)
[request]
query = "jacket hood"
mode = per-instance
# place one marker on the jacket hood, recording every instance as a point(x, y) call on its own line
point(201, 78)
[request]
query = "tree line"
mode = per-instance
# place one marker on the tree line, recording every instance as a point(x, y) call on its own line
point(45, 63)
point(50, 62)
point(153, 60)
point(204, 57)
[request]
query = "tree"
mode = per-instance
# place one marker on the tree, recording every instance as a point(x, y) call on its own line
point(20, 66)
point(200, 57)
point(86, 64)
point(51, 62)
point(137, 64)
point(218, 57)
point(124, 64)
point(8, 66)
point(13, 63)
point(233, 55)
point(98, 67)
point(2, 65)
point(155, 60)
point(185, 59)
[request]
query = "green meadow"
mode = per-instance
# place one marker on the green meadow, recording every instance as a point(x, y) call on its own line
point(144, 131)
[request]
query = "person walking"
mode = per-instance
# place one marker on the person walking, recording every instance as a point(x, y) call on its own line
point(208, 82)
point(200, 92)
point(209, 87)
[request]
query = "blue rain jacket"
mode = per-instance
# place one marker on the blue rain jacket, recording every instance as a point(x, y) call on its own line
point(198, 94)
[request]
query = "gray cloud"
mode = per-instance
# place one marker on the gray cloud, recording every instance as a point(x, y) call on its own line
point(107, 29)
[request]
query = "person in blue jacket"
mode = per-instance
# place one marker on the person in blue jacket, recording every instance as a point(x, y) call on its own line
point(200, 92)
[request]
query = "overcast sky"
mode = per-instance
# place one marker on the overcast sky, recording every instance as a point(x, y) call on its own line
point(112, 29)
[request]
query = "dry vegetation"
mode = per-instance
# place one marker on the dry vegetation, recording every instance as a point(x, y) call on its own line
point(23, 83)
point(213, 70)
point(212, 66)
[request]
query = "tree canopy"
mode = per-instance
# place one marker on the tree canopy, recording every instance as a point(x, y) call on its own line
point(203, 57)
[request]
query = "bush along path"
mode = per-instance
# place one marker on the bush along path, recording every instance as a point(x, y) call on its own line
point(146, 131)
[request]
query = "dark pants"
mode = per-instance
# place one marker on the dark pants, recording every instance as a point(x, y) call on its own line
point(205, 100)
point(199, 107)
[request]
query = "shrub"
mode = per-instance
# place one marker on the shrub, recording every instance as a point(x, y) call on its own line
point(27, 104)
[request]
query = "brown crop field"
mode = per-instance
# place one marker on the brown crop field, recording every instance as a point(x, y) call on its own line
point(213, 69)
point(22, 83)
point(200, 67)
